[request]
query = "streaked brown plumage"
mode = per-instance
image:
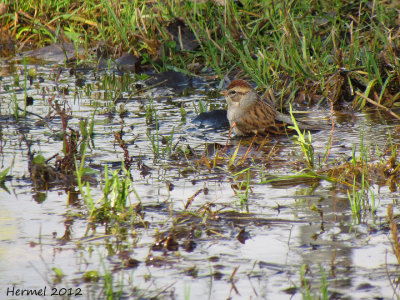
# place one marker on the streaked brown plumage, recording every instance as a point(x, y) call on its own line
point(254, 116)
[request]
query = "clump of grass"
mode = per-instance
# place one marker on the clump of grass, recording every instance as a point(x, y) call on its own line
point(242, 188)
point(358, 199)
point(305, 143)
point(200, 107)
point(43, 174)
point(394, 231)
point(116, 193)
point(3, 175)
point(326, 50)
point(151, 114)
point(306, 291)
point(3, 178)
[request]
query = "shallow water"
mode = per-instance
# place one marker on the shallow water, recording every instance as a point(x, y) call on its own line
point(253, 249)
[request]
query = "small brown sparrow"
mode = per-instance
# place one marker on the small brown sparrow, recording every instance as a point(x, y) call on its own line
point(249, 115)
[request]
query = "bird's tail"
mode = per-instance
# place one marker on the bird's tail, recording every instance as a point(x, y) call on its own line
point(302, 125)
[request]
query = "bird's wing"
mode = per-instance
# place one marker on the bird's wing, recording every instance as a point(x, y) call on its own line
point(260, 119)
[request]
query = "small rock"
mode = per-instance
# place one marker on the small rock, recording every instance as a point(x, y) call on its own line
point(182, 35)
point(128, 63)
point(170, 79)
point(58, 53)
point(216, 119)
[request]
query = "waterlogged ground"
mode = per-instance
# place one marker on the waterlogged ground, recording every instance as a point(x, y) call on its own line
point(201, 231)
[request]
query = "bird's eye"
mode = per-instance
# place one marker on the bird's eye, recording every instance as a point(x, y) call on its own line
point(232, 93)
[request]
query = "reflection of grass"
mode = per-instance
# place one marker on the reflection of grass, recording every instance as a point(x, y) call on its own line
point(394, 231)
point(361, 196)
point(305, 290)
point(109, 289)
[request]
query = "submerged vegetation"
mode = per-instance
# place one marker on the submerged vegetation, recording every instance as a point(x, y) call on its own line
point(338, 55)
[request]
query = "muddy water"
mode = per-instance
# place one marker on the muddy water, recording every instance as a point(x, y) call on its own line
point(240, 249)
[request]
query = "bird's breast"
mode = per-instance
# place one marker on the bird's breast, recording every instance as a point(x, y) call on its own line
point(234, 111)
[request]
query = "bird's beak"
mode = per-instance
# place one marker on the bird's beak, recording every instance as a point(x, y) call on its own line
point(224, 93)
